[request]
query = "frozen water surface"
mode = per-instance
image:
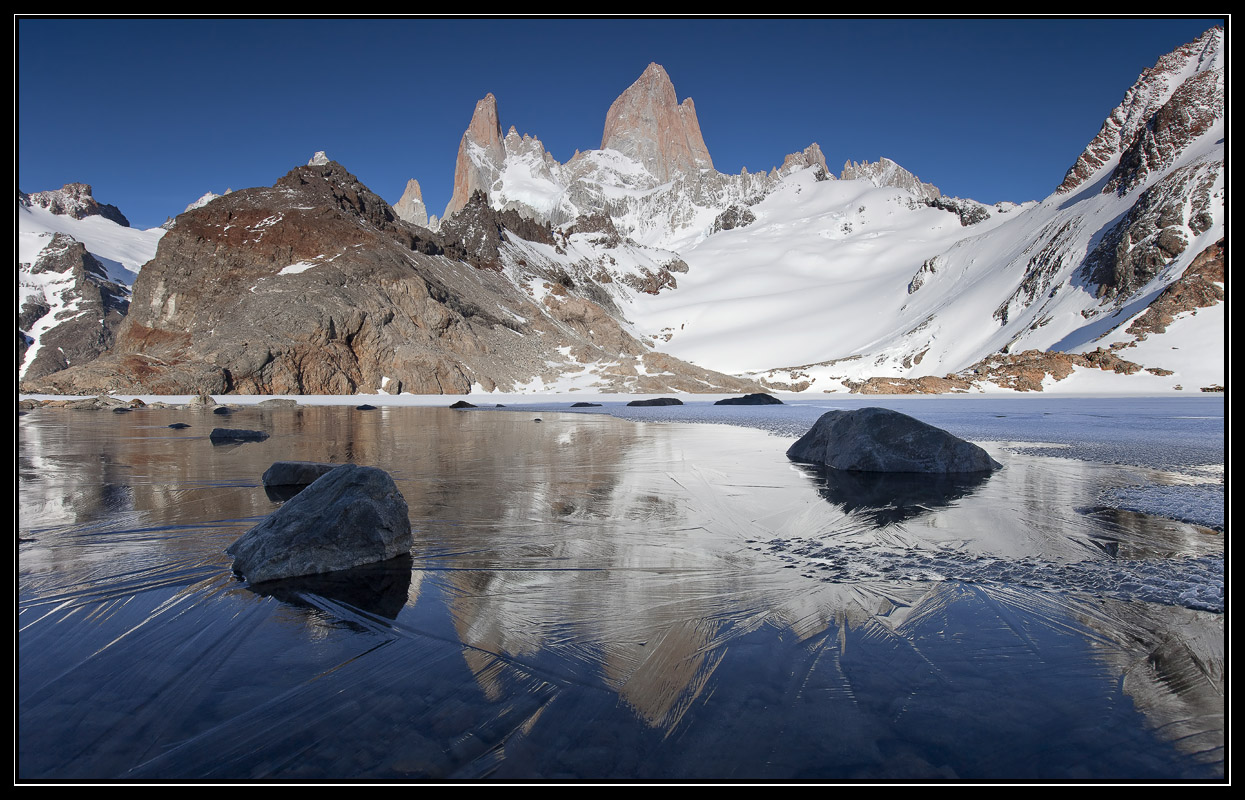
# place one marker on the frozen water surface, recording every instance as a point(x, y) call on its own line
point(590, 597)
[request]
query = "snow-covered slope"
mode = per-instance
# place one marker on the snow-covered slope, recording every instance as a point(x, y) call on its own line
point(841, 281)
point(57, 284)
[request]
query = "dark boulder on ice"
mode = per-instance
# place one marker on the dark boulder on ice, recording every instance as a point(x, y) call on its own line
point(365, 407)
point(350, 516)
point(585, 405)
point(881, 440)
point(296, 473)
point(236, 435)
point(222, 410)
point(462, 404)
point(757, 399)
point(657, 401)
point(177, 426)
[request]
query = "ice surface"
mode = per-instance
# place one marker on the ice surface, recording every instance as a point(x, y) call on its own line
point(599, 598)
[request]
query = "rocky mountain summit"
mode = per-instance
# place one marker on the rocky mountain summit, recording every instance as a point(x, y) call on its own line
point(653, 175)
point(649, 125)
point(73, 200)
point(639, 267)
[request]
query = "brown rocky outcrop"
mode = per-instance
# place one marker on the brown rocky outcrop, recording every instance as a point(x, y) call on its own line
point(647, 123)
point(1023, 372)
point(1203, 284)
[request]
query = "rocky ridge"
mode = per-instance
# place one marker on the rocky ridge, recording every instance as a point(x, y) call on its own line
point(314, 286)
point(73, 200)
point(1130, 127)
point(73, 313)
point(653, 175)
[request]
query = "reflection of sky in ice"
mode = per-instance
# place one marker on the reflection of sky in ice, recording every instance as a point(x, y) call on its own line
point(590, 598)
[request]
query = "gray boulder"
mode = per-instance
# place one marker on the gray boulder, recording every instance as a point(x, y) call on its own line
point(350, 516)
point(236, 435)
point(881, 440)
point(296, 473)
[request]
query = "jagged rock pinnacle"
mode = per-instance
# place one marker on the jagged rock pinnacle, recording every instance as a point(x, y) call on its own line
point(411, 207)
point(479, 153)
point(319, 158)
point(648, 123)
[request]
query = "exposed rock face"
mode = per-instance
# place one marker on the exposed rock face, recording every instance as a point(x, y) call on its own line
point(970, 212)
point(881, 440)
point(1156, 113)
point(351, 516)
point(648, 124)
point(74, 200)
point(811, 156)
point(928, 269)
point(1201, 285)
point(318, 159)
point(91, 309)
point(885, 172)
point(480, 155)
point(1155, 231)
point(476, 233)
point(733, 217)
point(410, 207)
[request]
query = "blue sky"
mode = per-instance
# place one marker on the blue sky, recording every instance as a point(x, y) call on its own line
point(155, 112)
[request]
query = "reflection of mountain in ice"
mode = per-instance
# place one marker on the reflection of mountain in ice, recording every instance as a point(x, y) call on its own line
point(595, 598)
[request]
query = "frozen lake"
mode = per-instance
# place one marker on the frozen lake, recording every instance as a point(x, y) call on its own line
point(591, 597)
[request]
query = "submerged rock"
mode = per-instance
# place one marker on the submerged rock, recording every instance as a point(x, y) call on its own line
point(278, 402)
point(657, 401)
point(350, 516)
point(881, 440)
point(757, 399)
point(236, 435)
